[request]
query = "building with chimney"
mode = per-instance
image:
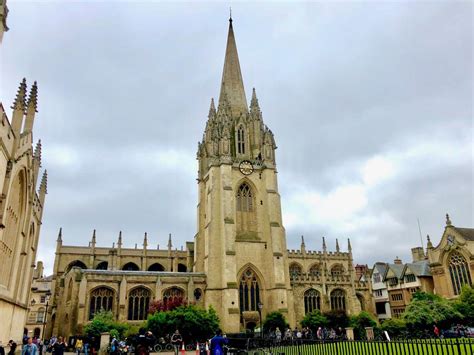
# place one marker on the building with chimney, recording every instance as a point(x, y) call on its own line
point(22, 200)
point(238, 262)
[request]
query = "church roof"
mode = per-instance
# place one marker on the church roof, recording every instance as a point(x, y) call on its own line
point(467, 233)
point(232, 86)
point(419, 268)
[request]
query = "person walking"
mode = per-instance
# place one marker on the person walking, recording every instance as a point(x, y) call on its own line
point(176, 341)
point(12, 346)
point(29, 348)
point(218, 342)
point(79, 346)
point(59, 347)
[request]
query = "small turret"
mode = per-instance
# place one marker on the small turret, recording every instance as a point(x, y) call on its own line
point(119, 242)
point(31, 108)
point(212, 110)
point(448, 221)
point(59, 240)
point(324, 245)
point(429, 245)
point(303, 246)
point(43, 190)
point(145, 241)
point(337, 246)
point(93, 241)
point(19, 108)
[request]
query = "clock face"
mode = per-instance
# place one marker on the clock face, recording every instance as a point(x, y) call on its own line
point(246, 167)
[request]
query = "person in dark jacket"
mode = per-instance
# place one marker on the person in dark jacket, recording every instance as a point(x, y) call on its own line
point(12, 346)
point(59, 347)
point(218, 342)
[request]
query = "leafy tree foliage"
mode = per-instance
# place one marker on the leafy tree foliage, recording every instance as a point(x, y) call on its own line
point(314, 320)
point(425, 310)
point(359, 322)
point(161, 306)
point(395, 327)
point(104, 322)
point(337, 319)
point(274, 320)
point(193, 322)
point(465, 305)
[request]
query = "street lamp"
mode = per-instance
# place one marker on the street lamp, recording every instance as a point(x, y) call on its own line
point(48, 294)
point(260, 306)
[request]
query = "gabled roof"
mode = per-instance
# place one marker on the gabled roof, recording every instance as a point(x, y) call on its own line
point(467, 233)
point(397, 269)
point(380, 267)
point(418, 268)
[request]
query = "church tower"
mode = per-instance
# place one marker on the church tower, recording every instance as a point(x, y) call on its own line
point(240, 243)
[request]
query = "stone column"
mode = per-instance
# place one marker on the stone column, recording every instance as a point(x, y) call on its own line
point(370, 333)
point(104, 342)
point(350, 333)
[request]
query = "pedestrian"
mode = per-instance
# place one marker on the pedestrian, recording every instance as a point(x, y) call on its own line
point(319, 333)
point(29, 348)
point(59, 347)
point(2, 350)
point(218, 342)
point(40, 346)
point(278, 335)
point(12, 346)
point(176, 341)
point(436, 331)
point(86, 345)
point(79, 346)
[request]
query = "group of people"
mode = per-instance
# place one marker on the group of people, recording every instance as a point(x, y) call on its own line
point(35, 346)
point(290, 336)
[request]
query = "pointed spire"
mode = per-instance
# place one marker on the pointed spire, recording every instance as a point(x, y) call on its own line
point(212, 110)
point(119, 243)
point(349, 247)
point(324, 245)
point(32, 102)
point(93, 239)
point(302, 241)
point(145, 241)
point(254, 102)
point(429, 244)
point(232, 84)
point(37, 152)
point(303, 246)
point(60, 235)
point(20, 99)
point(170, 244)
point(448, 221)
point(337, 246)
point(43, 190)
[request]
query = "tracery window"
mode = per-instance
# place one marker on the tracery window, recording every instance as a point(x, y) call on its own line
point(101, 299)
point(295, 271)
point(459, 272)
point(312, 300)
point(244, 198)
point(315, 271)
point(138, 302)
point(173, 294)
point(337, 270)
point(338, 300)
point(249, 291)
point(241, 140)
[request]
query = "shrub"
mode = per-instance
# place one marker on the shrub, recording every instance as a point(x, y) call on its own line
point(274, 320)
point(337, 319)
point(314, 320)
point(465, 305)
point(104, 322)
point(359, 322)
point(395, 327)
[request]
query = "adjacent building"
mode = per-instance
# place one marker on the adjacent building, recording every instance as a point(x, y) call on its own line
point(380, 291)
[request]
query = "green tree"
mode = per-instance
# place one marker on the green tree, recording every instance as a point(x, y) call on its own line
point(395, 327)
point(274, 320)
point(314, 320)
point(359, 322)
point(426, 310)
point(193, 322)
point(337, 319)
point(465, 305)
point(104, 322)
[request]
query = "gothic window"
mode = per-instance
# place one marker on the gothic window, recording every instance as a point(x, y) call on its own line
point(315, 271)
point(182, 268)
point(173, 294)
point(156, 267)
point(76, 263)
point(459, 272)
point(130, 267)
point(102, 265)
point(246, 220)
point(312, 300)
point(40, 315)
point(138, 302)
point(244, 198)
point(338, 300)
point(295, 271)
point(337, 270)
point(249, 292)
point(241, 140)
point(101, 299)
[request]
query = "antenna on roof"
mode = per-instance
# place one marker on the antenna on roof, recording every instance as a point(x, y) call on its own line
point(419, 230)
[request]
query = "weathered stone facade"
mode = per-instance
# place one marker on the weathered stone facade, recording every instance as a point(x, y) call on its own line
point(21, 210)
point(238, 263)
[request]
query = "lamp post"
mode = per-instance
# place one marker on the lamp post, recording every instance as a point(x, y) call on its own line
point(260, 306)
point(48, 294)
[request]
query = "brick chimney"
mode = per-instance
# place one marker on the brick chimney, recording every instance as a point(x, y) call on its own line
point(397, 261)
point(418, 254)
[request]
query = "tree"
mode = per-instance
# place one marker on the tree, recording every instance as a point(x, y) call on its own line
point(162, 306)
point(314, 320)
point(193, 322)
point(395, 327)
point(104, 322)
point(465, 305)
point(274, 320)
point(426, 310)
point(337, 319)
point(360, 322)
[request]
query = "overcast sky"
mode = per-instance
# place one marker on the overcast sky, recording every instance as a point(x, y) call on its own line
point(370, 103)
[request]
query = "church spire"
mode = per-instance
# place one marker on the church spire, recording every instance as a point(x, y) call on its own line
point(232, 84)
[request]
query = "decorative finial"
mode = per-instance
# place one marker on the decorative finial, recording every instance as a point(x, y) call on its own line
point(119, 243)
point(212, 109)
point(230, 14)
point(337, 246)
point(429, 244)
point(20, 99)
point(44, 183)
point(60, 235)
point(302, 240)
point(349, 246)
point(448, 221)
point(37, 152)
point(33, 98)
point(93, 237)
point(324, 244)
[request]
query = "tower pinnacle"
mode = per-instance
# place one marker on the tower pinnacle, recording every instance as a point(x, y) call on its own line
point(232, 84)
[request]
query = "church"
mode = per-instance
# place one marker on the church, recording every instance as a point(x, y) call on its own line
point(238, 262)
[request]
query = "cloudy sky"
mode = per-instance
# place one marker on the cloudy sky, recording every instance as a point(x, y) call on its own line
point(370, 103)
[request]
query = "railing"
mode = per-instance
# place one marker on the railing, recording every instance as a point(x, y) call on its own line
point(459, 346)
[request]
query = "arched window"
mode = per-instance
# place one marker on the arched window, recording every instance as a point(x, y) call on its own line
point(102, 265)
point(241, 140)
point(315, 270)
point(244, 198)
point(295, 271)
point(312, 300)
point(459, 272)
point(76, 263)
point(338, 300)
point(197, 294)
point(156, 267)
point(337, 270)
point(138, 302)
point(173, 294)
point(101, 299)
point(130, 267)
point(249, 291)
point(40, 315)
point(182, 268)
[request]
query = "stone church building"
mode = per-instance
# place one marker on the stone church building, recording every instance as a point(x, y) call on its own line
point(238, 262)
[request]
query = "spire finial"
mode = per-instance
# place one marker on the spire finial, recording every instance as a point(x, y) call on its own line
point(37, 152)
point(448, 221)
point(337, 246)
point(302, 240)
point(230, 14)
point(212, 109)
point(20, 99)
point(170, 244)
point(324, 244)
point(33, 98)
point(429, 244)
point(44, 183)
point(93, 237)
point(119, 243)
point(349, 246)
point(60, 235)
